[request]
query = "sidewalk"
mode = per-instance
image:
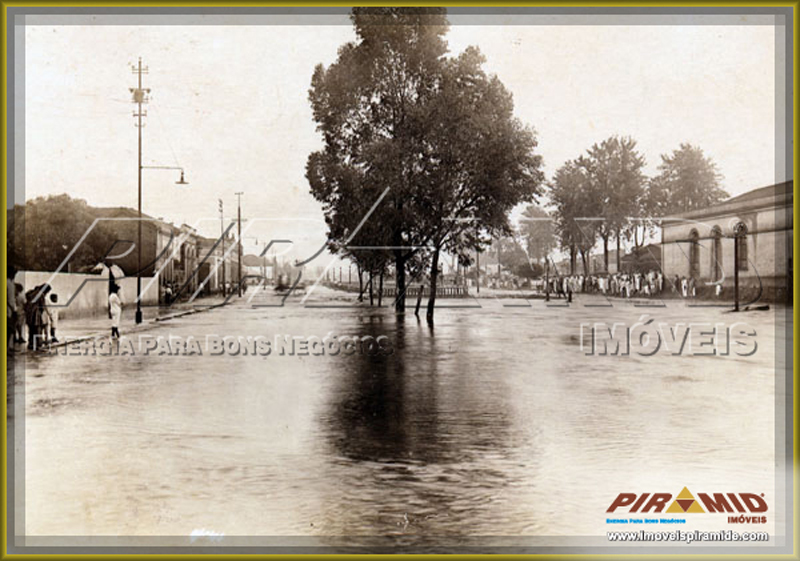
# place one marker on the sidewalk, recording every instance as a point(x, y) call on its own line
point(78, 329)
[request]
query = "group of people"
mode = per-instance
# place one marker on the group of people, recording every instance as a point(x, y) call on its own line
point(37, 309)
point(624, 285)
point(627, 285)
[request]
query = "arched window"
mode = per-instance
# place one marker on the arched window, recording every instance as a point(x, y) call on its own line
point(694, 254)
point(716, 253)
point(740, 231)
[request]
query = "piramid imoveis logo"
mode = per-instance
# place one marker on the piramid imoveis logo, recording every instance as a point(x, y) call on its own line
point(686, 503)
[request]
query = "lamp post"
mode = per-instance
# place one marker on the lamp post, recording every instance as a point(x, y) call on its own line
point(739, 233)
point(181, 181)
point(239, 196)
point(736, 273)
point(222, 235)
point(140, 97)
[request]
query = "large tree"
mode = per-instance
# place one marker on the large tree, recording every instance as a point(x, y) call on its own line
point(437, 132)
point(616, 172)
point(43, 231)
point(513, 257)
point(478, 163)
point(576, 200)
point(537, 230)
point(687, 180)
point(368, 105)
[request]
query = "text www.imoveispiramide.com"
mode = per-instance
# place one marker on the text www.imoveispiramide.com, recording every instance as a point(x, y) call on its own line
point(688, 536)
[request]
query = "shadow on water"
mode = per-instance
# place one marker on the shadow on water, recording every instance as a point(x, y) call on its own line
point(420, 440)
point(382, 413)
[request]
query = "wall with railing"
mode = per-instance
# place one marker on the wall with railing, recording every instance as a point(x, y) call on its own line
point(412, 291)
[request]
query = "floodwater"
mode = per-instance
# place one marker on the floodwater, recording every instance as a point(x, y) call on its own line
point(493, 423)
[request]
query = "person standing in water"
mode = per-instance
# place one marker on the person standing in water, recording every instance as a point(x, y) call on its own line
point(114, 309)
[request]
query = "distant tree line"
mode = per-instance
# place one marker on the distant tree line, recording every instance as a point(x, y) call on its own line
point(603, 195)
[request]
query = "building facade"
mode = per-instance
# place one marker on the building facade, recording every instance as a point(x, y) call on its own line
point(212, 273)
point(703, 244)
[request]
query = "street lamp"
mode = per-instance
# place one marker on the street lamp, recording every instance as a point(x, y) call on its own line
point(181, 181)
point(140, 97)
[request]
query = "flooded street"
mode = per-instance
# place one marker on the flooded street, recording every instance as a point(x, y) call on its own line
point(493, 423)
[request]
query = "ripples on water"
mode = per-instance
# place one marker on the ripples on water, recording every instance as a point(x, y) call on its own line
point(494, 423)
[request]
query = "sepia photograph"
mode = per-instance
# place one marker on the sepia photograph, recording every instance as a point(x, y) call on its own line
point(416, 280)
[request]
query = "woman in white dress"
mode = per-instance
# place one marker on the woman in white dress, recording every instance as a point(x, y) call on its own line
point(114, 309)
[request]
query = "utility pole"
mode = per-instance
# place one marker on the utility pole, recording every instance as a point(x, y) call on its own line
point(239, 196)
point(139, 97)
point(478, 269)
point(264, 261)
point(222, 234)
point(498, 258)
point(736, 239)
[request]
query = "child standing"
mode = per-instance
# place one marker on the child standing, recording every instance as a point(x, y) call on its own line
point(114, 310)
point(52, 316)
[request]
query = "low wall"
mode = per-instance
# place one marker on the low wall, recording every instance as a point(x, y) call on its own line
point(390, 291)
point(81, 295)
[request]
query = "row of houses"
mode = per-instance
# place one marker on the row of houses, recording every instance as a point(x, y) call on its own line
point(180, 258)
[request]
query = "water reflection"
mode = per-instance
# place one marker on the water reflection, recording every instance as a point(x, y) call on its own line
point(412, 433)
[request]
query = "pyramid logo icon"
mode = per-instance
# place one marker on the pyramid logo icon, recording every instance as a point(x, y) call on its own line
point(685, 502)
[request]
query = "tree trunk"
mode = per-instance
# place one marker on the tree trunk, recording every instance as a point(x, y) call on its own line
point(572, 257)
point(419, 300)
point(400, 272)
point(360, 285)
point(371, 294)
point(585, 268)
point(434, 278)
point(619, 249)
point(605, 251)
point(380, 286)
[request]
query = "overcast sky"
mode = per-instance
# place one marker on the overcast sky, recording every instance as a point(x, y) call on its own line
point(230, 105)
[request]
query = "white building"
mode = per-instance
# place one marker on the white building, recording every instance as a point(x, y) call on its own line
point(700, 243)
